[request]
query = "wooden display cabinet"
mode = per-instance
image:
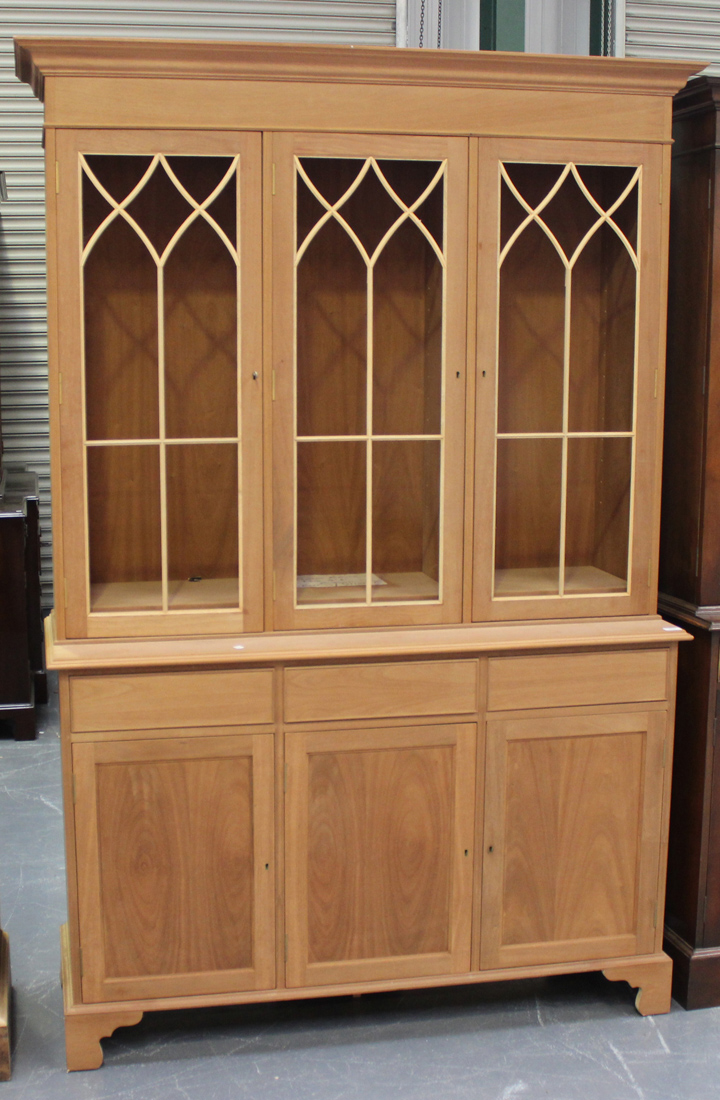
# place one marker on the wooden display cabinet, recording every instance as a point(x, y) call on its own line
point(689, 554)
point(356, 422)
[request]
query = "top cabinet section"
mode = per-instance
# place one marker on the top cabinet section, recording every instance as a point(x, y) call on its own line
point(351, 337)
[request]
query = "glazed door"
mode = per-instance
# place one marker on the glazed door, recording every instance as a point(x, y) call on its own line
point(176, 865)
point(570, 379)
point(369, 359)
point(379, 857)
point(159, 387)
point(573, 817)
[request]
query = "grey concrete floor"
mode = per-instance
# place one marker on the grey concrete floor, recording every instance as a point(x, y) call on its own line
point(569, 1038)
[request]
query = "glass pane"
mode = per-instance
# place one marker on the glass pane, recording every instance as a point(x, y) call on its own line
point(201, 336)
point(531, 335)
point(121, 337)
point(118, 174)
point(527, 526)
point(331, 509)
point(124, 528)
point(534, 181)
point(406, 520)
point(202, 518)
point(159, 209)
point(602, 335)
point(606, 182)
point(598, 515)
point(370, 211)
point(331, 336)
point(569, 215)
point(407, 335)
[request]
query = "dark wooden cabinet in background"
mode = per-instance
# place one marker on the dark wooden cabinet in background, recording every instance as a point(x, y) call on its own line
point(689, 580)
point(23, 680)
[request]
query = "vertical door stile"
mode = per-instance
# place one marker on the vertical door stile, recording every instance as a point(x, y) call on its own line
point(369, 432)
point(161, 418)
point(565, 423)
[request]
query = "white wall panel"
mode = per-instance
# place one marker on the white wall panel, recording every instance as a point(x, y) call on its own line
point(683, 29)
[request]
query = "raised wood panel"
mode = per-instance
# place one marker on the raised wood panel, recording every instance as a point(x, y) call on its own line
point(379, 691)
point(379, 853)
point(168, 699)
point(176, 883)
point(576, 679)
point(572, 829)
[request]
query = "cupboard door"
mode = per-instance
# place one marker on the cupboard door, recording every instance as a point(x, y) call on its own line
point(570, 339)
point(573, 813)
point(369, 274)
point(379, 827)
point(175, 866)
point(161, 406)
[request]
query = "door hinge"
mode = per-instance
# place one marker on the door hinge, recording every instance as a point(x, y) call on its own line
point(57, 178)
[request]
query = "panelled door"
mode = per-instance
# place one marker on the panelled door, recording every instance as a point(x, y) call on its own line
point(573, 816)
point(176, 869)
point(379, 854)
point(159, 382)
point(369, 237)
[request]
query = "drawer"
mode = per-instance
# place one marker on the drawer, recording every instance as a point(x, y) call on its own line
point(577, 679)
point(168, 699)
point(410, 689)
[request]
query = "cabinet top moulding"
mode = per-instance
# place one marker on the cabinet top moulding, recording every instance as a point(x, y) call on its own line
point(380, 644)
point(269, 86)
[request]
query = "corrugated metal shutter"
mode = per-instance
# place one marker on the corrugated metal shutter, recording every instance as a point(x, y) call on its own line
point(23, 327)
point(682, 29)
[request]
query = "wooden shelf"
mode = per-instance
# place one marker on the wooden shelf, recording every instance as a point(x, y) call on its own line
point(395, 587)
point(579, 580)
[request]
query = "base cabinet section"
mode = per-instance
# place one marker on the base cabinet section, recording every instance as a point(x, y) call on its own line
point(573, 821)
point(358, 840)
point(379, 853)
point(176, 867)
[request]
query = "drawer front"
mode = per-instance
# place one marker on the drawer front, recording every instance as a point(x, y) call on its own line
point(411, 688)
point(577, 679)
point(163, 700)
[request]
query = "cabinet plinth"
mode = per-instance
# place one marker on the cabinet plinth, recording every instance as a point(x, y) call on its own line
point(356, 417)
